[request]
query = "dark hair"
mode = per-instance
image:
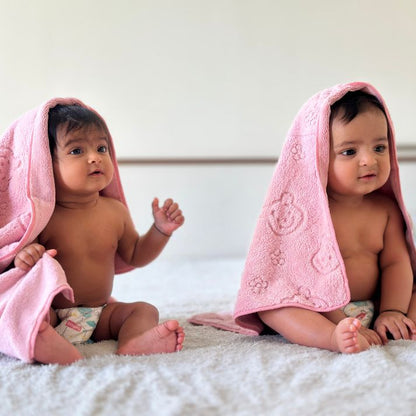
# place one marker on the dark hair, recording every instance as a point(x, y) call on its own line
point(74, 116)
point(354, 103)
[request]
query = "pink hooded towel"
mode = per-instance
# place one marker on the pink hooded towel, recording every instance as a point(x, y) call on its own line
point(27, 200)
point(294, 259)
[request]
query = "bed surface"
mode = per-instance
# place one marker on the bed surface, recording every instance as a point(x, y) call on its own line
point(218, 372)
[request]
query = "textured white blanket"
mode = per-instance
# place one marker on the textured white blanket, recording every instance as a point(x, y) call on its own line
point(218, 372)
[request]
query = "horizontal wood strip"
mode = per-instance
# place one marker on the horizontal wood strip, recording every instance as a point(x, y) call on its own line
point(406, 154)
point(197, 161)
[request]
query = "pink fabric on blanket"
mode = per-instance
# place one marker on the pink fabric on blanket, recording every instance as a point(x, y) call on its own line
point(223, 321)
point(294, 259)
point(27, 199)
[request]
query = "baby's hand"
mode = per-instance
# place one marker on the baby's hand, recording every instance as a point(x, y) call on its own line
point(168, 218)
point(371, 336)
point(30, 255)
point(399, 326)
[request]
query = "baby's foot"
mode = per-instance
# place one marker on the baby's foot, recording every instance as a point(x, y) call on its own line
point(346, 337)
point(163, 338)
point(51, 348)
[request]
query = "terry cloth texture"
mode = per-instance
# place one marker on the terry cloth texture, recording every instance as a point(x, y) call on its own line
point(27, 200)
point(294, 259)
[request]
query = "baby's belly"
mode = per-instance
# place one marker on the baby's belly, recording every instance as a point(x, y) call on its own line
point(92, 287)
point(99, 298)
point(363, 276)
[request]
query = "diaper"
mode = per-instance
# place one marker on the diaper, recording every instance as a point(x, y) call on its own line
point(362, 310)
point(77, 324)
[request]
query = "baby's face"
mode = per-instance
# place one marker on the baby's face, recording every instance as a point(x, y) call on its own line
point(359, 154)
point(82, 163)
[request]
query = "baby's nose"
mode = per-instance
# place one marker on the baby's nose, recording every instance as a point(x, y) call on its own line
point(94, 157)
point(367, 159)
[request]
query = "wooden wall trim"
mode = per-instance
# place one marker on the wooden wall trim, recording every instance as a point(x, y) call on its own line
point(197, 161)
point(405, 153)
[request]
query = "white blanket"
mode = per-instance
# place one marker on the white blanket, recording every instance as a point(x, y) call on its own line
point(218, 372)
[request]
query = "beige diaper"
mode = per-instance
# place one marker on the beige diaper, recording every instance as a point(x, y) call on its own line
point(362, 310)
point(77, 324)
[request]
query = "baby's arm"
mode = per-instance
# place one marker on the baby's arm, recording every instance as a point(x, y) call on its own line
point(396, 281)
point(30, 255)
point(140, 250)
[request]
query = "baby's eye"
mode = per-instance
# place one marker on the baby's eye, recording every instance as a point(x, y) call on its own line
point(103, 149)
point(380, 148)
point(76, 151)
point(348, 152)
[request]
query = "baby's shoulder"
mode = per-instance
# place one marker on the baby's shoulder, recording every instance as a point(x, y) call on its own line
point(382, 202)
point(112, 204)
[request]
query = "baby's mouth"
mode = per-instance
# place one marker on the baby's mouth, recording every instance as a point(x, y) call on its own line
point(96, 172)
point(368, 176)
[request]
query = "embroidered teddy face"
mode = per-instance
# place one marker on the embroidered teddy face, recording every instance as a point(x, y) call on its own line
point(284, 216)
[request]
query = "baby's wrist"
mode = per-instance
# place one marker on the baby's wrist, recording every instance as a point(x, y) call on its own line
point(393, 310)
point(161, 232)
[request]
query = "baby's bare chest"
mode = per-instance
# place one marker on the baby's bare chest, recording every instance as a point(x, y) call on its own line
point(84, 233)
point(359, 232)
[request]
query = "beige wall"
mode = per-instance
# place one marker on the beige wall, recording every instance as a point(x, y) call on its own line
point(205, 78)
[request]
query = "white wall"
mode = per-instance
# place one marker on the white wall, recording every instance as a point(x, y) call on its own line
point(199, 78)
point(221, 203)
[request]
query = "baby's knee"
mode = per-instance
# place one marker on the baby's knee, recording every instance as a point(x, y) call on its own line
point(146, 308)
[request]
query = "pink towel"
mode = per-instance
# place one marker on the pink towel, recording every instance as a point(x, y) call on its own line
point(27, 199)
point(294, 259)
point(223, 321)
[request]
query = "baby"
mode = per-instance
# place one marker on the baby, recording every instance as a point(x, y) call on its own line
point(370, 233)
point(84, 234)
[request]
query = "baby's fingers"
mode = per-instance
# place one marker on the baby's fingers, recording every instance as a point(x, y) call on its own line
point(28, 257)
point(169, 206)
point(52, 252)
point(381, 331)
point(155, 205)
point(411, 326)
point(171, 209)
point(375, 339)
point(179, 218)
point(399, 330)
point(402, 332)
point(175, 214)
point(405, 328)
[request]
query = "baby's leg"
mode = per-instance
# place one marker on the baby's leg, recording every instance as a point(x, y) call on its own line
point(137, 329)
point(312, 329)
point(51, 348)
